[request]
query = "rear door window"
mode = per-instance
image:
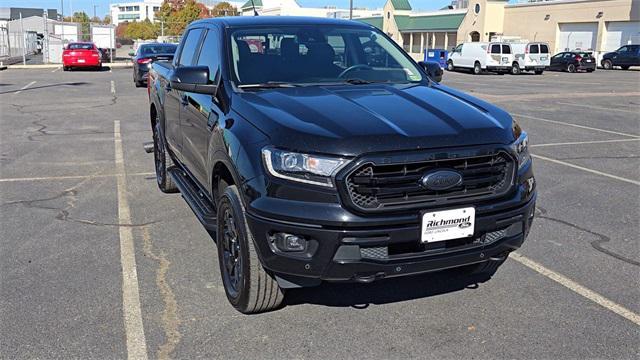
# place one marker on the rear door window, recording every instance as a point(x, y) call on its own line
point(544, 49)
point(188, 52)
point(506, 49)
point(495, 49)
point(534, 49)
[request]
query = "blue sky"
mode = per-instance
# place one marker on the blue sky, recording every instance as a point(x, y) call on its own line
point(103, 5)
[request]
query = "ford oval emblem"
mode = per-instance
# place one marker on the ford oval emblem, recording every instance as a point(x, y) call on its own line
point(441, 180)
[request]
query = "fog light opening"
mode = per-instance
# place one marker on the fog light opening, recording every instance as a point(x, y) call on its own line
point(290, 242)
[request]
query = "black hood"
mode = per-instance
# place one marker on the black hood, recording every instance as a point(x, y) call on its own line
point(354, 119)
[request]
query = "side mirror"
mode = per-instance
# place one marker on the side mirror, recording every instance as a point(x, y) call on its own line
point(131, 53)
point(194, 79)
point(433, 70)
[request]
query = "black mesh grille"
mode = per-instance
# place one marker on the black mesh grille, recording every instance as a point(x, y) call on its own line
point(397, 186)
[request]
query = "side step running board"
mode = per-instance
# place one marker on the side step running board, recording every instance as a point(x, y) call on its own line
point(197, 201)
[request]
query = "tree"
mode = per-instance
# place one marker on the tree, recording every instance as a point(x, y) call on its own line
point(107, 19)
point(175, 15)
point(141, 30)
point(224, 9)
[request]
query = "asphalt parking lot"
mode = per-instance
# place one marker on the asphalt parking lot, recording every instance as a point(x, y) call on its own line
point(79, 203)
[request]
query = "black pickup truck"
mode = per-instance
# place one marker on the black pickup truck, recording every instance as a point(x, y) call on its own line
point(317, 150)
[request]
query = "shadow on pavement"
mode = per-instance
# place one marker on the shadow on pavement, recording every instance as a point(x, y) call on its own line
point(78, 83)
point(384, 291)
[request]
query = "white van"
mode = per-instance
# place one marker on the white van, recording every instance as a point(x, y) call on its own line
point(480, 56)
point(530, 57)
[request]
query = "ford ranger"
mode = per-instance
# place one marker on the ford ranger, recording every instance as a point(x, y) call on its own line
point(317, 150)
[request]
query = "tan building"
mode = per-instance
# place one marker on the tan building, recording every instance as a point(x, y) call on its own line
point(596, 25)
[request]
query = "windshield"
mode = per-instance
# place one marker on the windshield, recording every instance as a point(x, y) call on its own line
point(158, 49)
point(307, 55)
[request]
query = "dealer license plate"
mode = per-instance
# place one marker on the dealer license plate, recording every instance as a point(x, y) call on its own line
point(448, 224)
point(80, 60)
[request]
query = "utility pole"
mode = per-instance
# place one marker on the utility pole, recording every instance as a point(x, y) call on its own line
point(350, 9)
point(45, 38)
point(24, 42)
point(94, 10)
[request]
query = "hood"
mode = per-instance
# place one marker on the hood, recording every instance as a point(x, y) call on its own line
point(354, 119)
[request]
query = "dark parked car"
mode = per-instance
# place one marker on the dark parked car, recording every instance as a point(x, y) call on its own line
point(572, 61)
point(146, 55)
point(624, 57)
point(311, 160)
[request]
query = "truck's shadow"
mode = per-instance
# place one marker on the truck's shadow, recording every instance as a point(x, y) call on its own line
point(384, 291)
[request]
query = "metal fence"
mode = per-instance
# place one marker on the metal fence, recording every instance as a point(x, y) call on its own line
point(16, 45)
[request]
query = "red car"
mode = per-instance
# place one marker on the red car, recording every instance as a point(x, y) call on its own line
point(81, 54)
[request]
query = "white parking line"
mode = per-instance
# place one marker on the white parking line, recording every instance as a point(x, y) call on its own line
point(56, 69)
point(586, 169)
point(577, 288)
point(576, 125)
point(24, 87)
point(113, 87)
point(68, 177)
point(598, 107)
point(134, 329)
point(585, 142)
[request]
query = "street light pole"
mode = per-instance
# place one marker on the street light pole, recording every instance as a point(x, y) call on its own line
point(350, 9)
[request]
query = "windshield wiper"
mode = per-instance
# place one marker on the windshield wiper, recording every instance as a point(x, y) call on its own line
point(357, 81)
point(269, 85)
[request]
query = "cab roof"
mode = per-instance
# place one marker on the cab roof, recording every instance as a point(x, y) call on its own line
point(248, 21)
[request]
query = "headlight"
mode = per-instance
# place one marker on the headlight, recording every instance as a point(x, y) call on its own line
point(309, 169)
point(521, 146)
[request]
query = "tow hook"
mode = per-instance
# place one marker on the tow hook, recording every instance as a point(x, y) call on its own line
point(367, 279)
point(148, 147)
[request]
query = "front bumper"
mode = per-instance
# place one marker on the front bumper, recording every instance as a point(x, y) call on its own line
point(368, 253)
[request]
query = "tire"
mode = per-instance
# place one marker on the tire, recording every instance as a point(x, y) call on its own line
point(571, 68)
point(162, 161)
point(477, 69)
point(249, 288)
point(539, 72)
point(607, 65)
point(450, 66)
point(625, 67)
point(139, 83)
point(515, 69)
point(590, 70)
point(65, 68)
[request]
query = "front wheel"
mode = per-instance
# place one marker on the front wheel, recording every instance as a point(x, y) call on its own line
point(607, 65)
point(450, 66)
point(162, 161)
point(249, 288)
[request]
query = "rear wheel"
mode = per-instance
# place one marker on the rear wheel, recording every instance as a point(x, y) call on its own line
point(607, 65)
point(249, 288)
point(162, 161)
point(515, 69)
point(571, 68)
point(450, 66)
point(477, 69)
point(539, 72)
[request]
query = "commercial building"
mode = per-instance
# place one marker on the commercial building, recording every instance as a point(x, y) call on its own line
point(134, 11)
point(596, 25)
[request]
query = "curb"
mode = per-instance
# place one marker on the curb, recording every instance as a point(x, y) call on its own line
point(53, 66)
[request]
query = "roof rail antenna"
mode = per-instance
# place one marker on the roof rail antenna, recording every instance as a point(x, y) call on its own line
point(255, 12)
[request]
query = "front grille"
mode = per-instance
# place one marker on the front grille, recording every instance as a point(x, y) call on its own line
point(397, 186)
